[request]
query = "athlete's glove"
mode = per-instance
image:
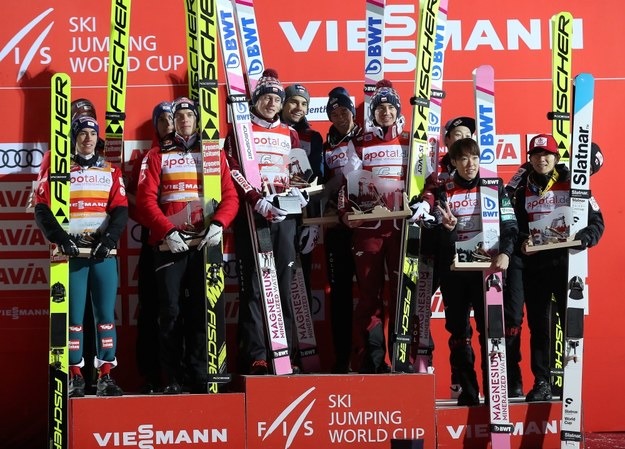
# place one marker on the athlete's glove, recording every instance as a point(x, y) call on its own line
point(102, 248)
point(301, 196)
point(271, 213)
point(584, 239)
point(175, 242)
point(213, 235)
point(68, 247)
point(421, 212)
point(308, 236)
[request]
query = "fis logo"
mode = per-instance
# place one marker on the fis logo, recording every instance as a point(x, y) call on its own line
point(35, 48)
point(289, 430)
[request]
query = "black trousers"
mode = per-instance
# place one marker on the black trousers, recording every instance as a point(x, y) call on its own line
point(251, 331)
point(340, 268)
point(182, 315)
point(147, 317)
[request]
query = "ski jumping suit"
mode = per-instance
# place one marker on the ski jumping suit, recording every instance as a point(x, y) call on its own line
point(273, 141)
point(337, 152)
point(376, 245)
point(461, 289)
point(545, 273)
point(169, 197)
point(98, 212)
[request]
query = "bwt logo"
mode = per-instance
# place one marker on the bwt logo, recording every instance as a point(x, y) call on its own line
point(289, 430)
point(487, 156)
point(490, 204)
point(35, 48)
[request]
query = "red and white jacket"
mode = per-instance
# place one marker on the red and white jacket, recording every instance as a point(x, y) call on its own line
point(169, 191)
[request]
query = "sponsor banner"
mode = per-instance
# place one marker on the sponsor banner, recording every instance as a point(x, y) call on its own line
point(133, 235)
point(191, 421)
point(21, 158)
point(14, 196)
point(24, 313)
point(534, 425)
point(24, 274)
point(509, 150)
point(21, 236)
point(132, 265)
point(341, 412)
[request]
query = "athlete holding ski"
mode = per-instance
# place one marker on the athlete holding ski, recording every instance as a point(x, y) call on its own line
point(273, 141)
point(173, 211)
point(537, 191)
point(376, 244)
point(458, 213)
point(98, 215)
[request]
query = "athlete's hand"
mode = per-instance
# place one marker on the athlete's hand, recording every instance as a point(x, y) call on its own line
point(175, 242)
point(68, 247)
point(213, 235)
point(448, 219)
point(500, 262)
point(420, 212)
point(102, 249)
point(301, 196)
point(271, 213)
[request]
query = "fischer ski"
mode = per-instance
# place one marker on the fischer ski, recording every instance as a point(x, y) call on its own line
point(191, 27)
point(60, 152)
point(261, 238)
point(374, 51)
point(500, 427)
point(571, 435)
point(421, 339)
point(208, 105)
point(254, 62)
point(415, 181)
point(117, 79)
point(561, 52)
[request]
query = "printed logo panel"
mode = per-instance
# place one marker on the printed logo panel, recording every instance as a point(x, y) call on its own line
point(344, 412)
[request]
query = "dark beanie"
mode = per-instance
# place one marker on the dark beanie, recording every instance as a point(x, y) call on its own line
point(384, 93)
point(339, 97)
point(296, 90)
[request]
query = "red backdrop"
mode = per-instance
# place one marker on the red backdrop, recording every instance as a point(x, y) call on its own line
point(320, 45)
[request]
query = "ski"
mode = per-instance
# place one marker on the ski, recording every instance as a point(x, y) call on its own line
point(561, 52)
point(60, 151)
point(208, 105)
point(261, 238)
point(254, 62)
point(500, 427)
point(374, 51)
point(117, 79)
point(191, 27)
point(421, 339)
point(415, 180)
point(571, 435)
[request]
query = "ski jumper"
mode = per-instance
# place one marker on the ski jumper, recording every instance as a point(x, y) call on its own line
point(168, 199)
point(463, 289)
point(545, 273)
point(273, 141)
point(98, 210)
point(376, 250)
point(337, 152)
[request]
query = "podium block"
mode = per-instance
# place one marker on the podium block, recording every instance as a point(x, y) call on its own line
point(216, 421)
point(339, 411)
point(535, 425)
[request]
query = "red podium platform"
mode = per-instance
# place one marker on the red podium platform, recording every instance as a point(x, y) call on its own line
point(216, 421)
point(335, 411)
point(536, 425)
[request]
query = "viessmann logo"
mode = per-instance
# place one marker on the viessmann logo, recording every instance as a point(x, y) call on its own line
point(147, 437)
point(24, 56)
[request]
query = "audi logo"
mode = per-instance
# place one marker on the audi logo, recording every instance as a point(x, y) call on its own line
point(20, 158)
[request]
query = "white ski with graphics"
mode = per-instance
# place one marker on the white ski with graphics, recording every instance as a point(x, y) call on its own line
point(374, 51)
point(500, 427)
point(261, 237)
point(571, 433)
